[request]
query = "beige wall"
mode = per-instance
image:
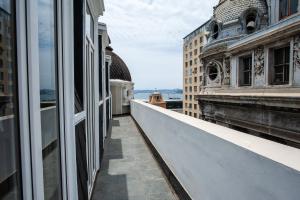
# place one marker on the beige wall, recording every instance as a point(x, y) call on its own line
point(192, 73)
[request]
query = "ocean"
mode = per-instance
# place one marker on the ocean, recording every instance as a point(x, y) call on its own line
point(167, 95)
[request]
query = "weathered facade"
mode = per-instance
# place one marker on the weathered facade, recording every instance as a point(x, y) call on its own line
point(252, 68)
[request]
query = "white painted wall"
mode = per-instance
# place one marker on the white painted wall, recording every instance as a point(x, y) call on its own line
point(213, 162)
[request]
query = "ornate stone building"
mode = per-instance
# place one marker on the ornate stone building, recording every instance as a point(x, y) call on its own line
point(252, 68)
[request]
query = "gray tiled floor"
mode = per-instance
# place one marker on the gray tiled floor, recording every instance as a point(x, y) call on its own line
point(129, 172)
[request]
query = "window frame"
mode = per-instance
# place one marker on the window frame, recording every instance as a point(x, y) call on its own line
point(282, 65)
point(241, 71)
point(288, 9)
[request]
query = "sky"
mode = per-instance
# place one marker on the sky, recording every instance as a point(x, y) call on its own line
point(148, 36)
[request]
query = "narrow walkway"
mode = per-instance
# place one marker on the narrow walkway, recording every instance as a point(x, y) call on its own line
point(129, 171)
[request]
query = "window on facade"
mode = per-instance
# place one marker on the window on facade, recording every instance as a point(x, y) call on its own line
point(195, 88)
point(201, 49)
point(191, 45)
point(49, 99)
point(287, 8)
point(213, 72)
point(1, 76)
point(190, 114)
point(191, 89)
point(245, 71)
point(196, 42)
point(186, 56)
point(281, 69)
point(2, 88)
point(186, 64)
point(195, 115)
point(195, 106)
point(191, 54)
point(195, 61)
point(195, 79)
point(190, 80)
point(186, 89)
point(191, 63)
point(195, 52)
point(191, 98)
point(190, 106)
point(215, 31)
point(186, 97)
point(201, 39)
point(186, 112)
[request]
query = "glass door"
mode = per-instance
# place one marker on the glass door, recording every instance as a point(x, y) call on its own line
point(10, 171)
point(48, 67)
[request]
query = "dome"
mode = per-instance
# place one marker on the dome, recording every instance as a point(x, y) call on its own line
point(118, 68)
point(228, 10)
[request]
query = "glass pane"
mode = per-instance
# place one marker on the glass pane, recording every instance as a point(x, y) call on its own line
point(89, 24)
point(81, 160)
point(48, 95)
point(10, 171)
point(283, 8)
point(79, 38)
point(100, 67)
point(106, 79)
point(294, 6)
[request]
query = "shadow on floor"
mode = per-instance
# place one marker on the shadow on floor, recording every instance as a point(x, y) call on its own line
point(109, 186)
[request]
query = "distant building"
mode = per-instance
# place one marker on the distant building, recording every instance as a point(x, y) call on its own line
point(193, 69)
point(252, 68)
point(121, 84)
point(157, 100)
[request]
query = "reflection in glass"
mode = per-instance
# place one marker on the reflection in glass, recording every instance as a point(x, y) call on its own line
point(89, 24)
point(81, 160)
point(10, 187)
point(48, 97)
point(79, 39)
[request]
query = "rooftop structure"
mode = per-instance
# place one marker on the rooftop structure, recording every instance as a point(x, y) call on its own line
point(157, 99)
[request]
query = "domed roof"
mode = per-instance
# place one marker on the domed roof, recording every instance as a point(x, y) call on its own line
point(118, 68)
point(227, 10)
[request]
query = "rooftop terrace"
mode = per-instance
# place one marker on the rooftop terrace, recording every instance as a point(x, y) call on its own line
point(129, 171)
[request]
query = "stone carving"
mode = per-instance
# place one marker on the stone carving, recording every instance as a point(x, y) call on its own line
point(259, 61)
point(297, 52)
point(227, 71)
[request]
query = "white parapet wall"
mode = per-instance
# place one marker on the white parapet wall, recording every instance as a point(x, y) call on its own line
point(216, 163)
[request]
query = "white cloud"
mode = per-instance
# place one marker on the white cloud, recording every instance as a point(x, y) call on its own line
point(148, 34)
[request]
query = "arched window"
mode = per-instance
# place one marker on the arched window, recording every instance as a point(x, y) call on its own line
point(213, 72)
point(215, 30)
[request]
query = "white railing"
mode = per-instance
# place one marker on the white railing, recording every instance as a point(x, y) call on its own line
point(215, 162)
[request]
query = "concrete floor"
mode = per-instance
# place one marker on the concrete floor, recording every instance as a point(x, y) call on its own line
point(129, 171)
